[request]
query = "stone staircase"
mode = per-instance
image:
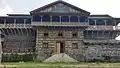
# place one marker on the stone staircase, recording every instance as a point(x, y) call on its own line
point(60, 58)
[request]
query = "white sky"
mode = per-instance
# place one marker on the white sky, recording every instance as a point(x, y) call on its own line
point(4, 7)
point(111, 7)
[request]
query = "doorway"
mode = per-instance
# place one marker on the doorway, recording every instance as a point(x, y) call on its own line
point(60, 47)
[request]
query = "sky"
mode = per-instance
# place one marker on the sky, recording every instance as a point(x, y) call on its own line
point(111, 7)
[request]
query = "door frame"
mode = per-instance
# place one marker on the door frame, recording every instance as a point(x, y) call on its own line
point(58, 47)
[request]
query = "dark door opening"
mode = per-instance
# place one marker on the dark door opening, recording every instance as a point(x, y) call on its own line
point(62, 48)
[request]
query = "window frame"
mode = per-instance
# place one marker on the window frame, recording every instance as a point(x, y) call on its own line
point(60, 34)
point(46, 34)
point(75, 34)
point(75, 45)
point(45, 45)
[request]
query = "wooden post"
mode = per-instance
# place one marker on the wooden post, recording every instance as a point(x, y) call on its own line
point(14, 22)
point(24, 23)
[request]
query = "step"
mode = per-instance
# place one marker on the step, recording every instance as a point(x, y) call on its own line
point(60, 58)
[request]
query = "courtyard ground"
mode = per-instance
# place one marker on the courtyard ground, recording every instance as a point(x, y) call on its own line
point(59, 65)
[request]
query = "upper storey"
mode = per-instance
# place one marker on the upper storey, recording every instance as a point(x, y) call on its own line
point(60, 7)
point(59, 13)
point(15, 21)
point(101, 22)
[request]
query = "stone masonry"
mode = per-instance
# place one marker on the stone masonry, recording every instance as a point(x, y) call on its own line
point(53, 38)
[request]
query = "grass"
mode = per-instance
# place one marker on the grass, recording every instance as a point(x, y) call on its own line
point(58, 65)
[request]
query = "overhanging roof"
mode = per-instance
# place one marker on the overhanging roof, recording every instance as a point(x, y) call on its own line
point(57, 2)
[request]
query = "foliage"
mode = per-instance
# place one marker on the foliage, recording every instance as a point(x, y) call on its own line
point(17, 57)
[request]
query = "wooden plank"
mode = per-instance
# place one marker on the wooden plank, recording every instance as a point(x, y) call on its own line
point(58, 48)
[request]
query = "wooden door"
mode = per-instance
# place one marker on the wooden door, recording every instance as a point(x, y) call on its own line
point(58, 48)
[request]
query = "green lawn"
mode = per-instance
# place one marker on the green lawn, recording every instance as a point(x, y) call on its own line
point(59, 65)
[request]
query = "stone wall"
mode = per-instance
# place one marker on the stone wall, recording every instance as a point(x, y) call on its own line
point(102, 52)
point(77, 54)
point(53, 38)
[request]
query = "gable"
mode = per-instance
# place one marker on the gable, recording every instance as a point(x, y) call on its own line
point(59, 7)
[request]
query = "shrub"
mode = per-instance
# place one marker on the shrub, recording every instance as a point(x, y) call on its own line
point(17, 57)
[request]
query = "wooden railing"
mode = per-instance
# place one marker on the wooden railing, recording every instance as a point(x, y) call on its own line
point(60, 23)
point(116, 27)
point(100, 28)
point(15, 25)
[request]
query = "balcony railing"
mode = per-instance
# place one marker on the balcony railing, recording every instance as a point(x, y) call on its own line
point(100, 28)
point(60, 23)
point(15, 25)
point(116, 27)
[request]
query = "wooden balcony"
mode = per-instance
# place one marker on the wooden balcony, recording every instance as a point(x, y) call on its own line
point(60, 23)
point(15, 25)
point(116, 27)
point(101, 41)
point(100, 28)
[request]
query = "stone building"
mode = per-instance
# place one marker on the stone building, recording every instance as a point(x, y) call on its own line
point(60, 28)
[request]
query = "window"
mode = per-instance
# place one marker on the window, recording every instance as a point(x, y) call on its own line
point(46, 18)
point(83, 19)
point(19, 21)
point(36, 18)
point(28, 21)
point(45, 45)
point(74, 34)
point(74, 45)
point(46, 34)
point(1, 20)
point(73, 19)
point(91, 22)
point(95, 32)
point(109, 22)
point(10, 20)
point(60, 34)
point(55, 19)
point(64, 19)
point(100, 22)
point(89, 32)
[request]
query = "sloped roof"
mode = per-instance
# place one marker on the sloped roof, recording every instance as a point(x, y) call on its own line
point(57, 2)
point(18, 14)
point(100, 15)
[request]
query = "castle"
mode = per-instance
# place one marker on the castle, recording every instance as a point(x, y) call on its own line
point(61, 28)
